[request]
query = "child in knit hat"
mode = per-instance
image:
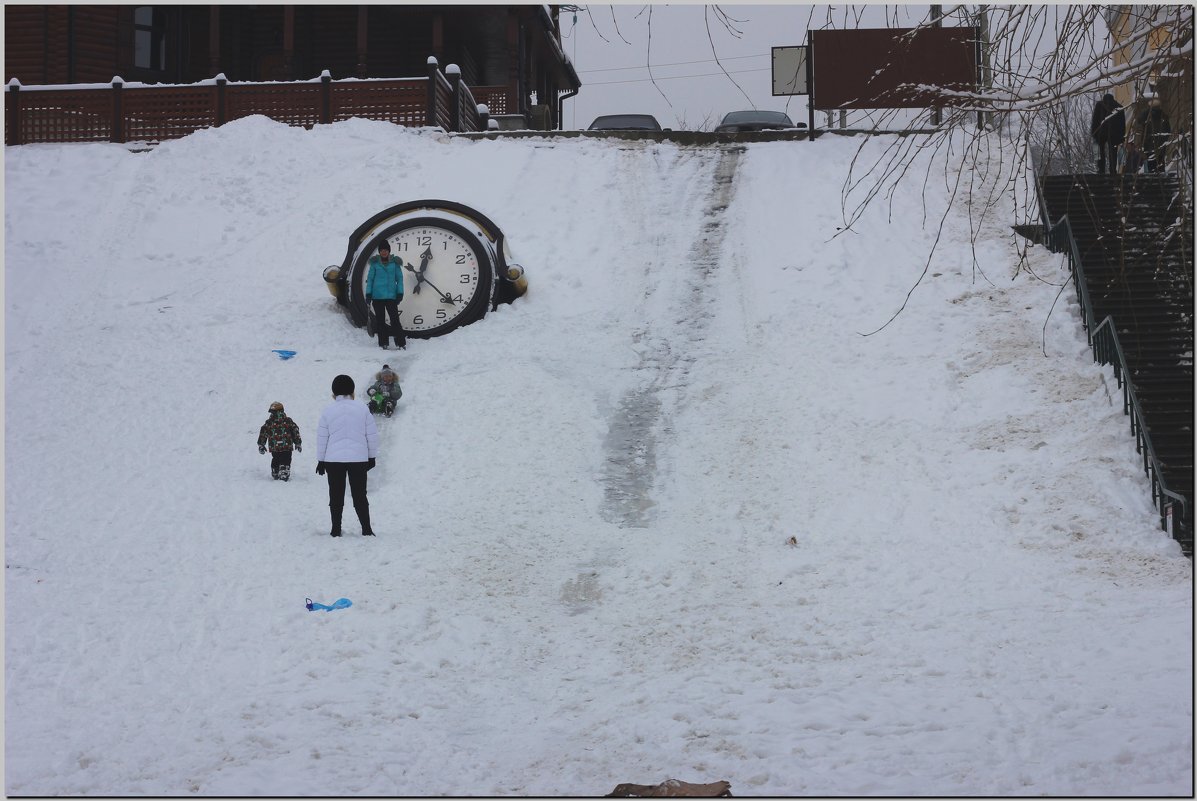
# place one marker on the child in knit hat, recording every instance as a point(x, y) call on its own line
point(384, 392)
point(280, 435)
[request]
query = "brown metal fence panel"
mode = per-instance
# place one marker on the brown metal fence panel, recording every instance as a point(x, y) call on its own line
point(291, 103)
point(400, 102)
point(157, 114)
point(881, 67)
point(160, 112)
point(467, 110)
point(443, 115)
point(494, 98)
point(53, 116)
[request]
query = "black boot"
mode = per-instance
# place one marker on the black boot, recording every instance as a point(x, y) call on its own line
point(363, 516)
point(335, 511)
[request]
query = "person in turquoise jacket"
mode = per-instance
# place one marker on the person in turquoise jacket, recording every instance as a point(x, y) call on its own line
point(384, 291)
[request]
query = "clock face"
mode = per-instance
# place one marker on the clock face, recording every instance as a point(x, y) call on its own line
point(447, 275)
point(440, 276)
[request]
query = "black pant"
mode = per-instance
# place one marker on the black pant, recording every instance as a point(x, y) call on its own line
point(386, 407)
point(279, 459)
point(337, 472)
point(1107, 149)
point(390, 307)
point(1156, 153)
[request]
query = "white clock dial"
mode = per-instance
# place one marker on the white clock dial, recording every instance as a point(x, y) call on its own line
point(440, 276)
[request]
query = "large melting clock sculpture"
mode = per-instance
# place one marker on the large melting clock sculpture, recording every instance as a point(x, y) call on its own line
point(455, 267)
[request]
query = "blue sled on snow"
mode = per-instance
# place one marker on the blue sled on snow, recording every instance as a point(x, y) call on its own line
point(285, 354)
point(340, 603)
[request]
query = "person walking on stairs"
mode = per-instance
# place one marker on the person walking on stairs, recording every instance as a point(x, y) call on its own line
point(1108, 128)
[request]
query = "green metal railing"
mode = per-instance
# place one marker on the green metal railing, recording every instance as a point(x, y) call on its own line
point(1107, 349)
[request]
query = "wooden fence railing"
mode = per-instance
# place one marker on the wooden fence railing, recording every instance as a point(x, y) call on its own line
point(129, 112)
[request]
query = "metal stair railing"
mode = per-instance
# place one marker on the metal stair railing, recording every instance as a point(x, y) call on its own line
point(1107, 349)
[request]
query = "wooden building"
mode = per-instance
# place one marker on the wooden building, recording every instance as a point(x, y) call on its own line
point(517, 47)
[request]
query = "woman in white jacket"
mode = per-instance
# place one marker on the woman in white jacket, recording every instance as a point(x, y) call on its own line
point(346, 446)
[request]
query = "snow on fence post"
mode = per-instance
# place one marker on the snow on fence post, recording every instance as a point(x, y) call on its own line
point(433, 74)
point(483, 117)
point(221, 106)
point(454, 73)
point(12, 113)
point(118, 112)
point(326, 97)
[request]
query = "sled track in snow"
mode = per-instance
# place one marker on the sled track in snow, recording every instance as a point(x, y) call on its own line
point(631, 442)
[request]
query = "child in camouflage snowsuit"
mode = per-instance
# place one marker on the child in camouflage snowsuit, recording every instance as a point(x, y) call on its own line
point(280, 435)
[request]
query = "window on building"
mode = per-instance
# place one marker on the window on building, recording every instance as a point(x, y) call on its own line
point(149, 38)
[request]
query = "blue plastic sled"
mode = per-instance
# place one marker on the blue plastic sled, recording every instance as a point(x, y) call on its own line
point(340, 603)
point(285, 354)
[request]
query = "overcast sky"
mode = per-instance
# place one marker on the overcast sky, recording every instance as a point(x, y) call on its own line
point(610, 46)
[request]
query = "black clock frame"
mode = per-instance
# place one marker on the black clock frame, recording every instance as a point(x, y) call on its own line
point(473, 311)
point(487, 243)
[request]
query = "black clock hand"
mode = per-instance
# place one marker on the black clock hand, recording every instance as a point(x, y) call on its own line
point(419, 278)
point(425, 257)
point(445, 296)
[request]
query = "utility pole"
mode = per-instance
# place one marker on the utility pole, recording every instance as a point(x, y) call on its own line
point(986, 72)
point(936, 22)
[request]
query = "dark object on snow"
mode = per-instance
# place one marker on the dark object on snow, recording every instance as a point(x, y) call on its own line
point(672, 788)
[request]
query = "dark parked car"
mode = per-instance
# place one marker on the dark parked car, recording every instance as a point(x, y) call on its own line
point(736, 121)
point(625, 122)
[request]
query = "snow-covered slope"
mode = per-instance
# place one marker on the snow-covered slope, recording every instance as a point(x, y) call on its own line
point(669, 515)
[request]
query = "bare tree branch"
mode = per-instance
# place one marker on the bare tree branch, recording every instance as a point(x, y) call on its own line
point(1045, 65)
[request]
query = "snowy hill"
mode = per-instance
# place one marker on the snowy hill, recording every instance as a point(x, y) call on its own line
point(669, 515)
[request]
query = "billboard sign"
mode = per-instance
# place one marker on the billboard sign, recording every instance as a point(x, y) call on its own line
point(790, 74)
point(892, 67)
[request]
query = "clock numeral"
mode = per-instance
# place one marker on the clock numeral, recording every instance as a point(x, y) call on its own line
point(417, 320)
point(441, 314)
point(465, 278)
point(461, 258)
point(401, 247)
point(459, 299)
point(423, 240)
